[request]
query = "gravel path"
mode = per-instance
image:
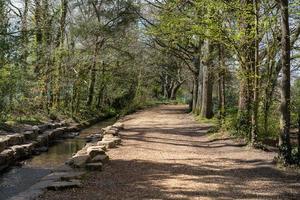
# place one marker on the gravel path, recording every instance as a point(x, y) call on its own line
point(167, 155)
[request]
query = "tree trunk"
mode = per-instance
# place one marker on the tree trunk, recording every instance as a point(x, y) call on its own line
point(93, 72)
point(284, 139)
point(24, 34)
point(247, 65)
point(200, 90)
point(175, 89)
point(207, 104)
point(254, 128)
point(195, 91)
point(221, 85)
point(60, 38)
point(299, 134)
point(38, 35)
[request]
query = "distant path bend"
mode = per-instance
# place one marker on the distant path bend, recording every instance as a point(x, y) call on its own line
point(167, 155)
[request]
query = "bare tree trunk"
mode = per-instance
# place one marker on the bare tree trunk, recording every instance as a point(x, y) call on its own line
point(284, 139)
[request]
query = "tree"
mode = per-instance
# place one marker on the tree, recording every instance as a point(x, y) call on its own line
point(285, 107)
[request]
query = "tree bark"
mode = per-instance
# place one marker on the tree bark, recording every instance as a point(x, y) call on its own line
point(299, 133)
point(207, 104)
point(254, 128)
point(195, 92)
point(247, 65)
point(221, 85)
point(284, 139)
point(93, 70)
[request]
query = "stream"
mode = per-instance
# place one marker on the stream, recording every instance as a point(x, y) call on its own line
point(19, 178)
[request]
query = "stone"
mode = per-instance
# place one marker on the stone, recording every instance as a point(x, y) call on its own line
point(79, 161)
point(115, 139)
point(36, 129)
point(94, 166)
point(56, 132)
point(3, 142)
point(94, 151)
point(106, 128)
point(43, 140)
point(100, 158)
point(54, 125)
point(73, 128)
point(6, 157)
point(69, 135)
point(107, 144)
point(22, 151)
point(118, 125)
point(64, 176)
point(30, 135)
point(43, 127)
point(61, 185)
point(92, 144)
point(111, 132)
point(15, 139)
point(42, 149)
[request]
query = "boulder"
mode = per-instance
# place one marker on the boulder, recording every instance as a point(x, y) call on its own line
point(15, 139)
point(56, 132)
point(79, 161)
point(118, 125)
point(43, 140)
point(6, 157)
point(36, 129)
point(106, 128)
point(43, 127)
point(94, 151)
point(115, 139)
point(100, 158)
point(94, 166)
point(92, 144)
point(22, 151)
point(3, 142)
point(114, 132)
point(93, 137)
point(73, 128)
point(30, 135)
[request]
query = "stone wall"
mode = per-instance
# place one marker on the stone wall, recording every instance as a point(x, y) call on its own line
point(19, 146)
point(93, 155)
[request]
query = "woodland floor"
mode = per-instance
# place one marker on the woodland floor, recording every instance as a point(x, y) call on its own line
point(167, 155)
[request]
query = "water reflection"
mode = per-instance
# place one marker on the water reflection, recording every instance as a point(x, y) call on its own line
point(57, 154)
point(18, 179)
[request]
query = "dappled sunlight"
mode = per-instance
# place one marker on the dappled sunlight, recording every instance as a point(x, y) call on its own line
point(179, 163)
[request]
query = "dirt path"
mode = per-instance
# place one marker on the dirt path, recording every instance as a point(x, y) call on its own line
point(167, 155)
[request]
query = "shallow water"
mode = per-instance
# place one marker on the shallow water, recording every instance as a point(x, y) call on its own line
point(18, 179)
